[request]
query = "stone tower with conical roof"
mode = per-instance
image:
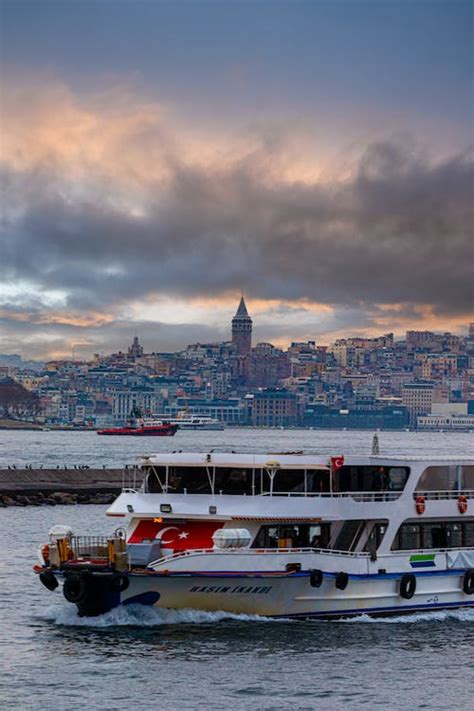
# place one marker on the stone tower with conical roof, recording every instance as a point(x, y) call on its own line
point(242, 330)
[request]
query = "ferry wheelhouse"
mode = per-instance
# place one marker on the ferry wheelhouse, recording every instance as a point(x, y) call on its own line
point(291, 535)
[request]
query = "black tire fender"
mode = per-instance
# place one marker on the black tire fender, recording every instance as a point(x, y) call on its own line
point(342, 580)
point(119, 583)
point(49, 580)
point(407, 586)
point(75, 588)
point(468, 582)
point(316, 578)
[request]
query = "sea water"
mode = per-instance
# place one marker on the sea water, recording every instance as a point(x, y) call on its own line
point(140, 658)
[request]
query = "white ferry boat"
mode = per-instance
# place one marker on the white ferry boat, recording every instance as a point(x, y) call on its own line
point(194, 422)
point(290, 535)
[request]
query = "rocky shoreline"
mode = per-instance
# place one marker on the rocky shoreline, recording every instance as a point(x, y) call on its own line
point(57, 498)
point(60, 487)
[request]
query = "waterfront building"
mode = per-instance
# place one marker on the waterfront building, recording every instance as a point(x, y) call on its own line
point(265, 366)
point(386, 417)
point(274, 407)
point(418, 398)
point(446, 422)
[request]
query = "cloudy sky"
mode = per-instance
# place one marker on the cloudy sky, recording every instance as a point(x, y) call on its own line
point(159, 158)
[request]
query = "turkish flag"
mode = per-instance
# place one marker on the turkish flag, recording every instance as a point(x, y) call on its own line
point(178, 535)
point(337, 462)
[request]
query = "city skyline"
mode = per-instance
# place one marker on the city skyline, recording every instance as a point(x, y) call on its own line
point(156, 163)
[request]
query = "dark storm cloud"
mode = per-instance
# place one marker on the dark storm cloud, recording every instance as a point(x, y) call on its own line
point(400, 230)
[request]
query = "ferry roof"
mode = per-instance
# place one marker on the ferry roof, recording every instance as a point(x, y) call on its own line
point(290, 460)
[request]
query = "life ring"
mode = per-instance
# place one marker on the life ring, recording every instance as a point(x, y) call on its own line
point(49, 580)
point(420, 504)
point(407, 586)
point(119, 583)
point(341, 581)
point(43, 554)
point(462, 504)
point(316, 578)
point(75, 589)
point(468, 582)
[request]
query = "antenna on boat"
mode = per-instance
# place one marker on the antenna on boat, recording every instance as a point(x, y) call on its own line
point(375, 445)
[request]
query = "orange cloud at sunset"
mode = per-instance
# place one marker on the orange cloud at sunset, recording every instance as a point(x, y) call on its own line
point(122, 210)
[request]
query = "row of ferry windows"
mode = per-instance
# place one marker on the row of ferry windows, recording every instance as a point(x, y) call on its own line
point(299, 535)
point(228, 480)
point(352, 535)
point(430, 534)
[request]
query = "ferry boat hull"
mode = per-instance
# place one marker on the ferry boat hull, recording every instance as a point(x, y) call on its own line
point(284, 595)
point(151, 431)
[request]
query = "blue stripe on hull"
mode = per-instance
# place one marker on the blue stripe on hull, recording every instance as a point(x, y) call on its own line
point(301, 574)
point(381, 611)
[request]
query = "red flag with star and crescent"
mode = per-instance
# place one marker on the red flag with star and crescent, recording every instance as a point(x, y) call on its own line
point(178, 535)
point(337, 462)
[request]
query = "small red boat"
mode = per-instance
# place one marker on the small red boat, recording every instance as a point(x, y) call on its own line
point(143, 429)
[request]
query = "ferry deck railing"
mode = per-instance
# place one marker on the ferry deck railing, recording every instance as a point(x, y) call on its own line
point(354, 555)
point(256, 552)
point(358, 496)
point(444, 494)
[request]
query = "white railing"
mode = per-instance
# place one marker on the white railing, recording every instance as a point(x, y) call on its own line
point(358, 496)
point(444, 494)
point(254, 551)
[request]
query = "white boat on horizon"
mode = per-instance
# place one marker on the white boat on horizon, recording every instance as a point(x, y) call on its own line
point(284, 535)
point(194, 422)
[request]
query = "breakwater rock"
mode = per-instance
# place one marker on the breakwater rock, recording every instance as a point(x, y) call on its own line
point(52, 487)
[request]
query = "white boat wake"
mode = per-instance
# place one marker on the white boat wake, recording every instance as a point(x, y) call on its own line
point(428, 616)
point(142, 616)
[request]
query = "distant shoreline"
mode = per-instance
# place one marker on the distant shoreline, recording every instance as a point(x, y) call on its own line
point(8, 424)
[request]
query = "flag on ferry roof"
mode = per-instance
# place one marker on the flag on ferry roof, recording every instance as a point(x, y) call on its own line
point(337, 462)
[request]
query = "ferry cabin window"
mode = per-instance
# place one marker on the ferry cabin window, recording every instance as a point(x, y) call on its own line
point(434, 535)
point(447, 478)
point(287, 480)
point(292, 481)
point(468, 534)
point(317, 481)
point(155, 480)
point(468, 478)
point(299, 535)
point(349, 535)
point(193, 480)
point(375, 537)
point(230, 480)
point(409, 537)
point(370, 478)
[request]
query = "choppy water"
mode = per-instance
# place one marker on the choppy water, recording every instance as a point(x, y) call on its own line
point(141, 658)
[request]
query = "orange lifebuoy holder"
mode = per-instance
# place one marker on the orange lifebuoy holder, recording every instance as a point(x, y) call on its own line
point(462, 504)
point(420, 504)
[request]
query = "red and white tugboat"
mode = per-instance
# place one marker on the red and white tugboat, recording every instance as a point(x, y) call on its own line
point(144, 428)
point(290, 535)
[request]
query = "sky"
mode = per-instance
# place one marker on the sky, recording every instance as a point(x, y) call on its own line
point(158, 159)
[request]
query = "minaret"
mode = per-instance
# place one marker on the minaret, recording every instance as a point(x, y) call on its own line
point(242, 330)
